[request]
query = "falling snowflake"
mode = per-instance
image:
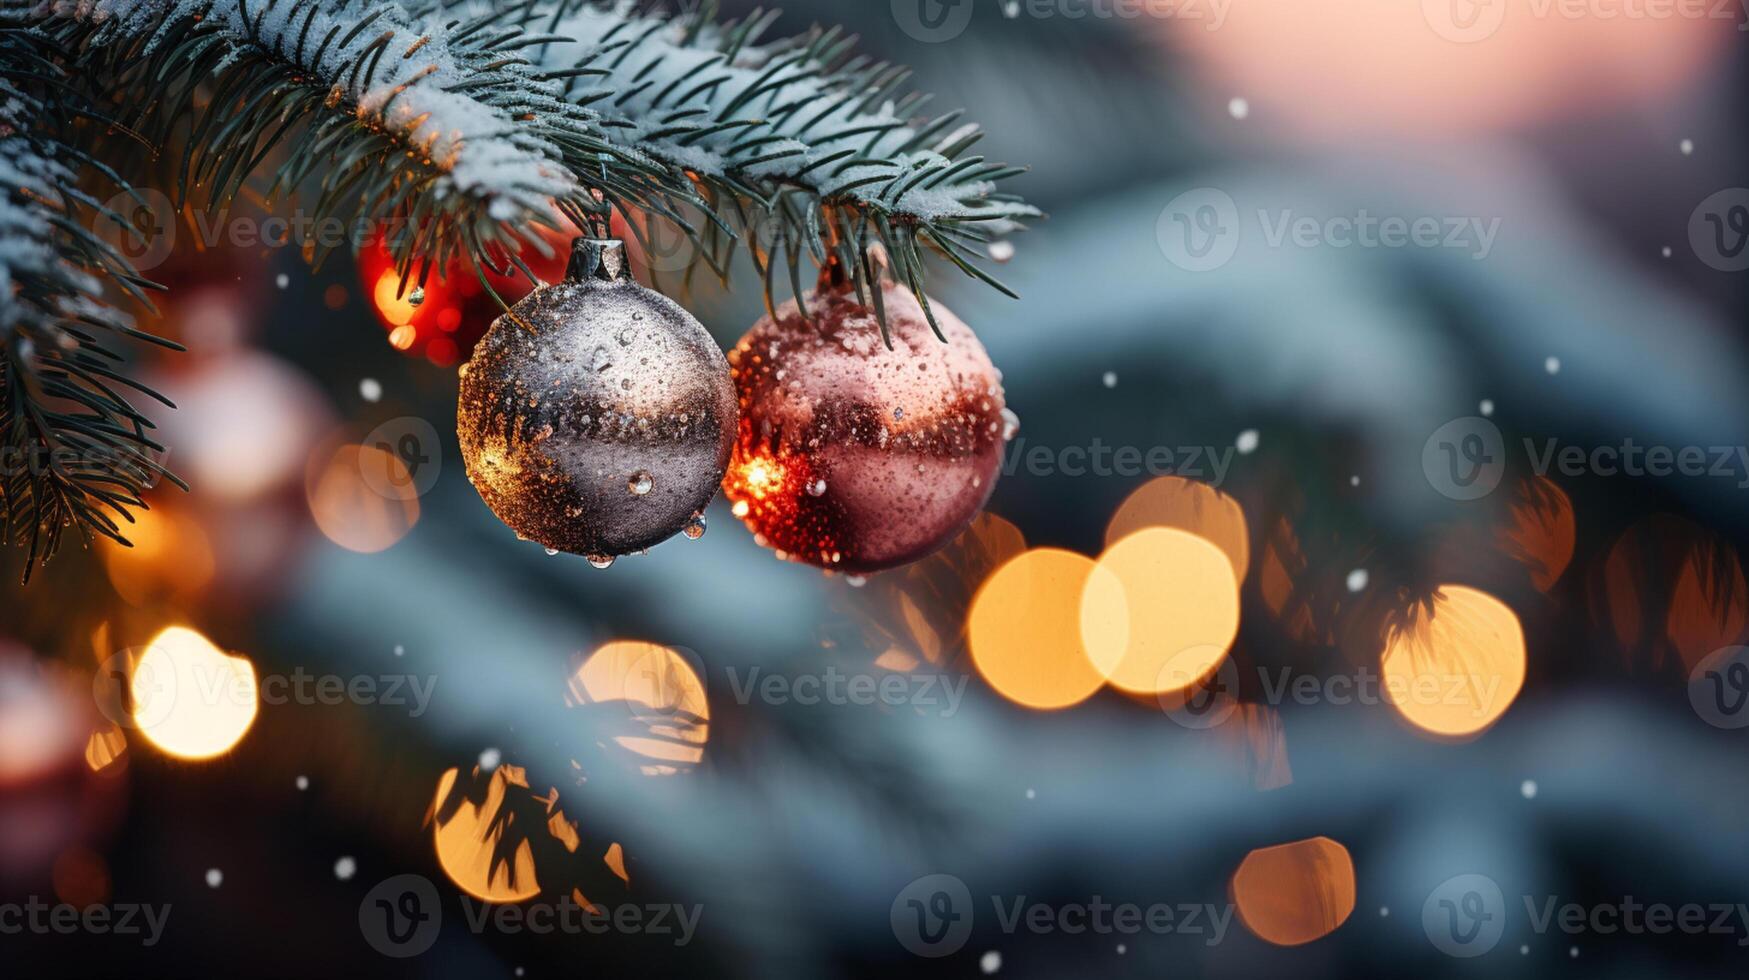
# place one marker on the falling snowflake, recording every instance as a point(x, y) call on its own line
point(370, 389)
point(214, 877)
point(1109, 379)
point(345, 868)
point(1552, 365)
point(303, 782)
point(489, 759)
point(1248, 441)
point(990, 962)
point(1357, 580)
point(1239, 108)
point(1528, 788)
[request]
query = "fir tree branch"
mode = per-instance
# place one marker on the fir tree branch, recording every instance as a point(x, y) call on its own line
point(459, 124)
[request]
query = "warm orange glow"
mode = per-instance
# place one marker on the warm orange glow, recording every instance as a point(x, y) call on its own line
point(189, 698)
point(402, 337)
point(1709, 606)
point(1165, 615)
point(466, 841)
point(1672, 587)
point(1292, 894)
point(104, 748)
point(391, 302)
point(171, 556)
point(663, 695)
point(1542, 533)
point(1024, 630)
point(1189, 505)
point(1455, 672)
point(356, 514)
point(761, 475)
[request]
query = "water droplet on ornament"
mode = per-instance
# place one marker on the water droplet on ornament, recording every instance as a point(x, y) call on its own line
point(416, 297)
point(817, 488)
point(694, 528)
point(626, 336)
point(898, 414)
point(551, 552)
point(855, 581)
point(640, 483)
point(1010, 423)
point(1001, 252)
point(601, 561)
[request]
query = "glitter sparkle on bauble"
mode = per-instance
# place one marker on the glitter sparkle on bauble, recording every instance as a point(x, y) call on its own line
point(855, 457)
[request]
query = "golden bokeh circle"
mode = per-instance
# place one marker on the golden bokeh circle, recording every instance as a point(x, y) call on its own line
point(1167, 595)
point(1455, 671)
point(1024, 630)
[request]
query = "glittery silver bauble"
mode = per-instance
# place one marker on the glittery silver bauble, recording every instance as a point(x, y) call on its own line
point(854, 457)
point(596, 417)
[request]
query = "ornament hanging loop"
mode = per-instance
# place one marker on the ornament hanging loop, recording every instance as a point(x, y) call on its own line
point(601, 259)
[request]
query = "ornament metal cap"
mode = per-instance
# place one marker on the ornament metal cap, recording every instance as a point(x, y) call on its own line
point(602, 259)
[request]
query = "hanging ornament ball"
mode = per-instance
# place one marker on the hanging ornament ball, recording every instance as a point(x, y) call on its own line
point(853, 456)
point(596, 417)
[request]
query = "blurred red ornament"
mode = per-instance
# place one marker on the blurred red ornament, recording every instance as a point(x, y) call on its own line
point(443, 319)
point(855, 457)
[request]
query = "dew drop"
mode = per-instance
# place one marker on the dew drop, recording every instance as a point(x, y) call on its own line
point(416, 297)
point(898, 414)
point(601, 561)
point(1002, 252)
point(817, 488)
point(855, 581)
point(694, 528)
point(626, 337)
point(640, 483)
point(551, 552)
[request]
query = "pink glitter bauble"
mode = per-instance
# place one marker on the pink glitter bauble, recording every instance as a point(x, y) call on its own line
point(854, 457)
